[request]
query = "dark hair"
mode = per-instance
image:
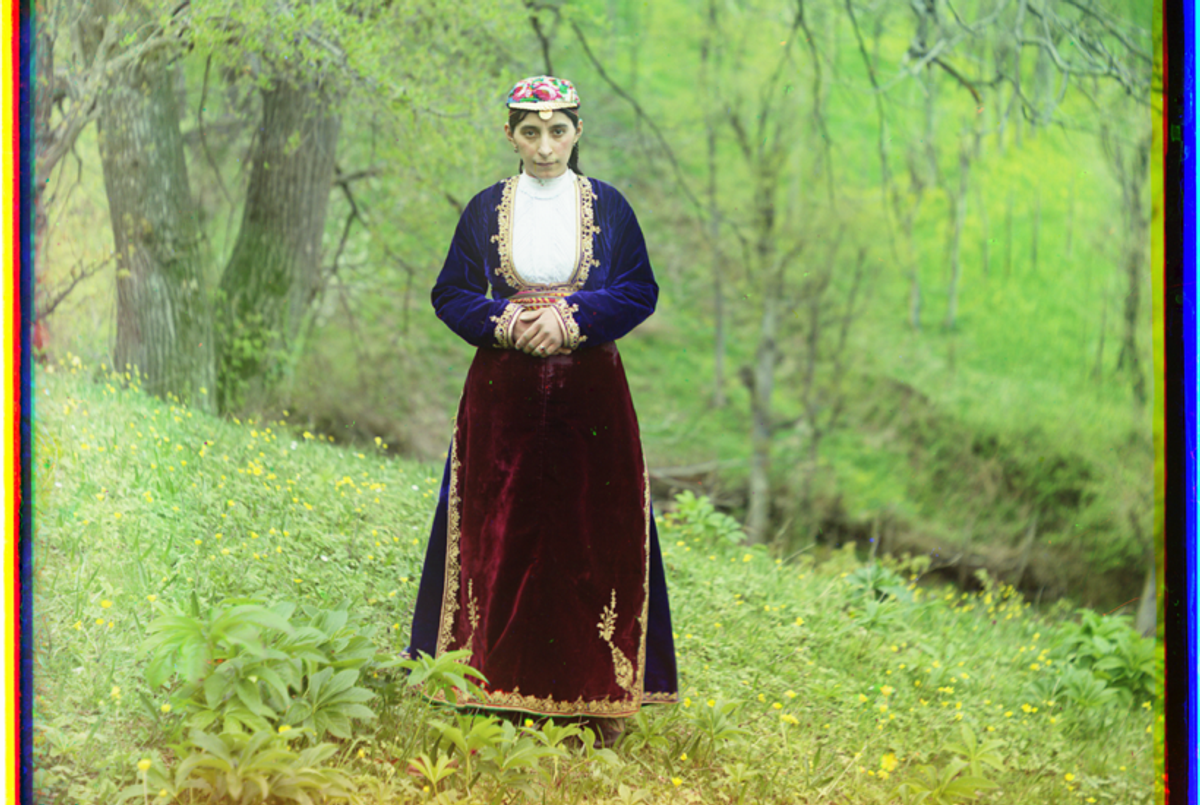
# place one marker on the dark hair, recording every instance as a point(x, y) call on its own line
point(515, 116)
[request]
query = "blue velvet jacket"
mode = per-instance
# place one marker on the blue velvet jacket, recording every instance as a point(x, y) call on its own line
point(611, 291)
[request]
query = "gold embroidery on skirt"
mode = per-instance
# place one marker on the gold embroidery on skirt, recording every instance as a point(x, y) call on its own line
point(472, 613)
point(622, 667)
point(515, 700)
point(453, 569)
point(645, 617)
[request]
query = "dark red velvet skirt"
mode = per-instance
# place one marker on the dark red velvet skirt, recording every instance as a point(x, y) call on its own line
point(549, 543)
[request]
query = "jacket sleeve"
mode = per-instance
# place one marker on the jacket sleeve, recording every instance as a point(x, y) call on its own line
point(460, 294)
point(594, 317)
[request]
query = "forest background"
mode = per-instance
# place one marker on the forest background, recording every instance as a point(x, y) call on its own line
point(903, 249)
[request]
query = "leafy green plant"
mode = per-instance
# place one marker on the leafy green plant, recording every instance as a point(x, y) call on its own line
point(236, 767)
point(739, 779)
point(247, 668)
point(1114, 653)
point(942, 786)
point(647, 731)
point(512, 760)
point(714, 724)
point(1086, 690)
point(697, 519)
point(434, 770)
point(469, 735)
point(444, 674)
point(879, 582)
point(976, 753)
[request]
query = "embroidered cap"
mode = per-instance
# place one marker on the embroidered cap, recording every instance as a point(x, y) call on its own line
point(543, 94)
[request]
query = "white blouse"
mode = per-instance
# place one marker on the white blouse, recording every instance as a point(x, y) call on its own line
point(545, 230)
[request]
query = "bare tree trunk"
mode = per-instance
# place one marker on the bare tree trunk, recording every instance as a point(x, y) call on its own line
point(960, 213)
point(917, 186)
point(1133, 177)
point(986, 244)
point(164, 325)
point(274, 270)
point(1146, 621)
point(1026, 551)
point(714, 213)
point(759, 508)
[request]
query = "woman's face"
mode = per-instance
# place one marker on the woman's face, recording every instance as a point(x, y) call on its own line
point(544, 145)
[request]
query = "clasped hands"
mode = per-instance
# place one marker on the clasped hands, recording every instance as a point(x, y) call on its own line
point(539, 333)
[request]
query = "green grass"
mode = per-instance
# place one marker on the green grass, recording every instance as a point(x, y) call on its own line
point(799, 687)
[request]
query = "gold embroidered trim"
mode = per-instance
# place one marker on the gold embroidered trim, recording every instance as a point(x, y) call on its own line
point(662, 697)
point(645, 618)
point(504, 325)
point(622, 668)
point(503, 236)
point(585, 248)
point(587, 233)
point(472, 613)
point(515, 700)
point(453, 569)
point(566, 313)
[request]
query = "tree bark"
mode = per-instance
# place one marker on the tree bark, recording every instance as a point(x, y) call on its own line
point(1133, 178)
point(960, 214)
point(714, 220)
point(765, 359)
point(274, 270)
point(1146, 621)
point(1026, 551)
point(986, 245)
point(164, 326)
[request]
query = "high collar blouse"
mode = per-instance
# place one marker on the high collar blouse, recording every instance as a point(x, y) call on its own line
point(545, 228)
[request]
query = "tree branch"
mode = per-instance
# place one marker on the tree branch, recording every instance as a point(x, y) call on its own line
point(687, 191)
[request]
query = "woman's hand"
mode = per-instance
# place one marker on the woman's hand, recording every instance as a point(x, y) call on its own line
point(539, 333)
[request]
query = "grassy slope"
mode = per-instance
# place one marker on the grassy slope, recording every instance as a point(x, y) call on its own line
point(139, 504)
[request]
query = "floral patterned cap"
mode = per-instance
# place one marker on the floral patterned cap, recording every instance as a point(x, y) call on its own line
point(543, 94)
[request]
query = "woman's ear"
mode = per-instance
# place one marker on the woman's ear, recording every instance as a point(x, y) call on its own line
point(508, 133)
point(578, 129)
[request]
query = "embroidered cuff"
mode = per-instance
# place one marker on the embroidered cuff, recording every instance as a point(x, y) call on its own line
point(566, 316)
point(505, 323)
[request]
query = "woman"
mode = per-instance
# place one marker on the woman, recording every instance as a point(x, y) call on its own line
point(543, 559)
